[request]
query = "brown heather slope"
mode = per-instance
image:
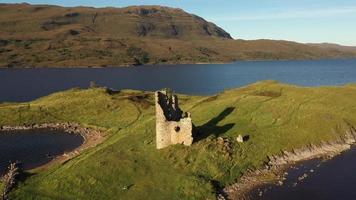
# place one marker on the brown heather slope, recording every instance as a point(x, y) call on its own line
point(53, 36)
point(334, 46)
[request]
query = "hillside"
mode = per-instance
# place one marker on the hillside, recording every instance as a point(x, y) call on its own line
point(334, 46)
point(30, 22)
point(53, 36)
point(275, 116)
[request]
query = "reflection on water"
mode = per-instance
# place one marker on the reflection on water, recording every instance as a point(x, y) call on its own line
point(35, 147)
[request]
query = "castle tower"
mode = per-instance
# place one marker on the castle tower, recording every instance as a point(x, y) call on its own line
point(171, 126)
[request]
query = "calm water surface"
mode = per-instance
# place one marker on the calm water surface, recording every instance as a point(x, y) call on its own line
point(334, 179)
point(35, 147)
point(28, 84)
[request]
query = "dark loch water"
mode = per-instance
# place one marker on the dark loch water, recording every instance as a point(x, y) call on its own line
point(28, 84)
point(334, 179)
point(35, 147)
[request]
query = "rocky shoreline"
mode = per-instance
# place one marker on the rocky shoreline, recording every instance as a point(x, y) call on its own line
point(278, 164)
point(67, 127)
point(92, 136)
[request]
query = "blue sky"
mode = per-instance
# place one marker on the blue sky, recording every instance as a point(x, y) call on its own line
point(298, 20)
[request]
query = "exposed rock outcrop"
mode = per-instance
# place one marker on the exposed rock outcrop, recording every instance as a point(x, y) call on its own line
point(172, 125)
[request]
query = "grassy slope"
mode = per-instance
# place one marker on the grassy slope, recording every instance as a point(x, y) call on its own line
point(127, 165)
point(102, 51)
point(1, 187)
point(52, 36)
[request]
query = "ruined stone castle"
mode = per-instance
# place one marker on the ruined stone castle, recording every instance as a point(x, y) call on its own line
point(173, 126)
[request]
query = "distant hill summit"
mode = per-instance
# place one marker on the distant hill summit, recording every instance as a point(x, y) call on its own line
point(134, 21)
point(54, 36)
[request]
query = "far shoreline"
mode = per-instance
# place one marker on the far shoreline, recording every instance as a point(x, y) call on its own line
point(169, 64)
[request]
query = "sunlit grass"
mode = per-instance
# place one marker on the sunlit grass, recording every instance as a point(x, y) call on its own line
point(127, 165)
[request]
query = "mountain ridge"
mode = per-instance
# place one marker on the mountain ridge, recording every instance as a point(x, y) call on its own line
point(55, 36)
point(132, 21)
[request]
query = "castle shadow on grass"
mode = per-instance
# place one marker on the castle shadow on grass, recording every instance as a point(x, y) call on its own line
point(212, 128)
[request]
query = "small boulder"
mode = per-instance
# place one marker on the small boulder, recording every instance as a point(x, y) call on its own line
point(240, 139)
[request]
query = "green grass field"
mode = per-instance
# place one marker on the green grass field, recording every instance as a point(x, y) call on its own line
point(127, 165)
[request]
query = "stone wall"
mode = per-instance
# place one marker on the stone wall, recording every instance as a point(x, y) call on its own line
point(173, 126)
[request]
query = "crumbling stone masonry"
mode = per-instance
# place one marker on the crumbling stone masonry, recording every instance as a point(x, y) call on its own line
point(172, 125)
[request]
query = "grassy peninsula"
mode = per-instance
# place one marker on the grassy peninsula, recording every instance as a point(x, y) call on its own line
point(54, 36)
point(127, 165)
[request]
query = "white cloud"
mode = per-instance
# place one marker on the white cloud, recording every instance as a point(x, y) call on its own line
point(291, 14)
